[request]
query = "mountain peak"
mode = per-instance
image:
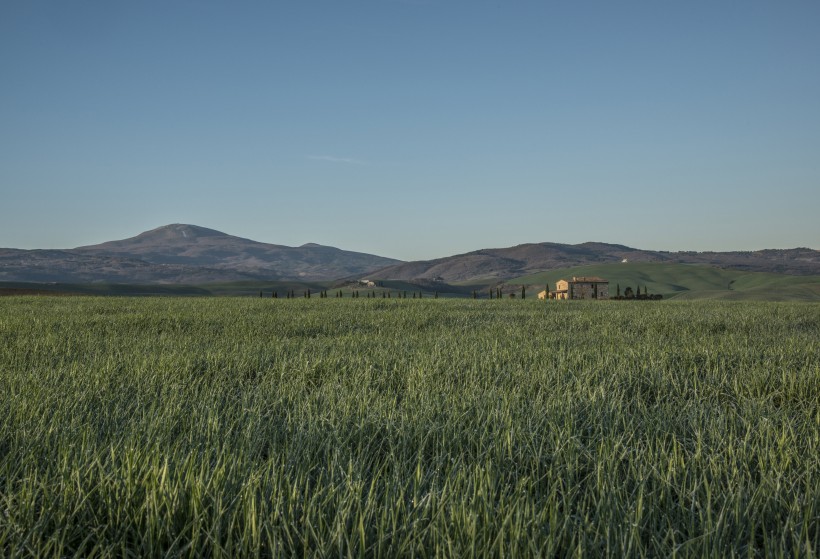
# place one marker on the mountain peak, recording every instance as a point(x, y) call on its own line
point(182, 231)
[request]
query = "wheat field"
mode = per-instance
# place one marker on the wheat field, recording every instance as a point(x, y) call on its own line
point(225, 427)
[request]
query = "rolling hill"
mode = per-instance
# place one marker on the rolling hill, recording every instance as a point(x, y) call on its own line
point(503, 263)
point(688, 281)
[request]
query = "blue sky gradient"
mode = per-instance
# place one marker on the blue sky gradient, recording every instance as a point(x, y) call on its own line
point(413, 129)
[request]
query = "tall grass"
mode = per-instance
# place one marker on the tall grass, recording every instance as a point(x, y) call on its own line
point(259, 427)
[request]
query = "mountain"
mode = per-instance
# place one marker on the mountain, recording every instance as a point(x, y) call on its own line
point(188, 254)
point(505, 263)
point(181, 253)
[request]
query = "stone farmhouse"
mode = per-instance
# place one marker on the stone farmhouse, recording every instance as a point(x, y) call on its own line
point(584, 287)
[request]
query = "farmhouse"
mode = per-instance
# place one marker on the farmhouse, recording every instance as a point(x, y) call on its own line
point(583, 287)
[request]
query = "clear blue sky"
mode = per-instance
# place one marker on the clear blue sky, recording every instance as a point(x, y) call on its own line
point(416, 128)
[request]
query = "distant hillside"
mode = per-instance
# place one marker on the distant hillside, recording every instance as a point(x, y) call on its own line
point(505, 263)
point(688, 281)
point(185, 254)
point(188, 254)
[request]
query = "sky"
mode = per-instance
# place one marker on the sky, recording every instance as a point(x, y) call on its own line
point(413, 129)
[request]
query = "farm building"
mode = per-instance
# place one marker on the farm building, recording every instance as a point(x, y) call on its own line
point(583, 287)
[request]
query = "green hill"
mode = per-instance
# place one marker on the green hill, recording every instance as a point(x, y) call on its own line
point(689, 281)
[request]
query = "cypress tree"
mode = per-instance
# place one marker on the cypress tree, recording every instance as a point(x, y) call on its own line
point(523, 292)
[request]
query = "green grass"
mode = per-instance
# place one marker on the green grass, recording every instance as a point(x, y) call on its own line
point(689, 281)
point(226, 427)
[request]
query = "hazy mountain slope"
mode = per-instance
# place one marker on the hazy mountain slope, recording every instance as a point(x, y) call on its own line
point(71, 267)
point(185, 254)
point(191, 245)
point(504, 263)
point(183, 244)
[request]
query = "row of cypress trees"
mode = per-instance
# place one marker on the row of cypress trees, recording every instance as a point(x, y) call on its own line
point(494, 293)
point(291, 294)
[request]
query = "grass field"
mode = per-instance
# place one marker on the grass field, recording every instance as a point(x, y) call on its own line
point(690, 281)
point(229, 427)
